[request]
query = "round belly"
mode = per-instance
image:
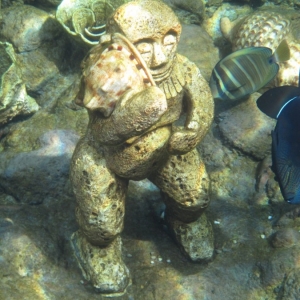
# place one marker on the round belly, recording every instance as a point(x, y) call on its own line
point(140, 158)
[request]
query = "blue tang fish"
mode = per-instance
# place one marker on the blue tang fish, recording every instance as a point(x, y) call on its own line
point(245, 71)
point(283, 104)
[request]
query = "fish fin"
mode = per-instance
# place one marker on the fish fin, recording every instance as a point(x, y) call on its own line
point(273, 101)
point(282, 53)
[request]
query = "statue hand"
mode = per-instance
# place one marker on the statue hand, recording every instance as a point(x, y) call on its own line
point(183, 140)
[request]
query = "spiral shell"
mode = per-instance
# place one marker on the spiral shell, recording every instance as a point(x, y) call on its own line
point(268, 29)
point(110, 73)
point(262, 28)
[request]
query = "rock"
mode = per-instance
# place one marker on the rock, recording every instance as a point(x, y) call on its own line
point(290, 219)
point(246, 128)
point(196, 239)
point(291, 286)
point(43, 52)
point(198, 46)
point(188, 9)
point(27, 27)
point(31, 177)
point(267, 188)
point(274, 267)
point(13, 97)
point(49, 2)
point(285, 238)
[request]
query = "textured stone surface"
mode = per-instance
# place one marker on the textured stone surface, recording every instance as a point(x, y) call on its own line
point(44, 172)
point(197, 45)
point(286, 237)
point(27, 27)
point(291, 287)
point(14, 100)
point(245, 127)
point(188, 11)
point(43, 52)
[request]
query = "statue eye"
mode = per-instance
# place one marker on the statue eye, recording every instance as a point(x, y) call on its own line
point(169, 39)
point(144, 48)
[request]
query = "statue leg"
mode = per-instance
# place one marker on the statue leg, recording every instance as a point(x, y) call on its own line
point(185, 186)
point(100, 197)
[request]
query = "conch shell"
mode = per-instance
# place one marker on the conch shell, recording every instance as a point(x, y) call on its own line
point(117, 71)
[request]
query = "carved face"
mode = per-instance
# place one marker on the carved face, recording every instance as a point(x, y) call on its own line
point(155, 31)
point(158, 53)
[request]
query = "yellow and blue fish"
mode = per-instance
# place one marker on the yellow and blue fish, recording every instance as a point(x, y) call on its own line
point(283, 103)
point(245, 71)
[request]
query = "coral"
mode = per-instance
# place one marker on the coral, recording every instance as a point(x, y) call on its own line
point(85, 20)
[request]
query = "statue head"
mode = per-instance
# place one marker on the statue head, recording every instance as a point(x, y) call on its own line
point(153, 28)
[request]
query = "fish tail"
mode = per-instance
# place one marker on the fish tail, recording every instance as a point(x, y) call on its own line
point(282, 53)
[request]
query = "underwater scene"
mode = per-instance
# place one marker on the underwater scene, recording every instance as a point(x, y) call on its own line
point(150, 149)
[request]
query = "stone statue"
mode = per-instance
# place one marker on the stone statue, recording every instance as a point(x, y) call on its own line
point(136, 88)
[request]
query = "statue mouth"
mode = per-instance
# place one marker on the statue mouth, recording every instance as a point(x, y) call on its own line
point(162, 72)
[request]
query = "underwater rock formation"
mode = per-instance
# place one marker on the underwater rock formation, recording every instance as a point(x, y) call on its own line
point(43, 172)
point(247, 129)
point(188, 11)
point(27, 27)
point(291, 286)
point(42, 50)
point(13, 96)
point(285, 237)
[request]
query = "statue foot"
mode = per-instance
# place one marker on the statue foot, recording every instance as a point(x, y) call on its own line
point(195, 239)
point(102, 266)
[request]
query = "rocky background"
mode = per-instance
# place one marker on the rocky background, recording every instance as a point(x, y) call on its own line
point(256, 233)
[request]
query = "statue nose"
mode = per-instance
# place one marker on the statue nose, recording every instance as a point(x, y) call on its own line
point(159, 56)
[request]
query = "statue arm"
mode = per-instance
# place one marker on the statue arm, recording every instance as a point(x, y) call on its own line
point(200, 111)
point(132, 116)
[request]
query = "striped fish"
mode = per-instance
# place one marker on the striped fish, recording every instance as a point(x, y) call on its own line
point(245, 71)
